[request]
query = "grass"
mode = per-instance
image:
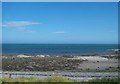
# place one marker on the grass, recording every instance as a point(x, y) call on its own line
point(49, 79)
point(59, 80)
point(110, 80)
point(20, 80)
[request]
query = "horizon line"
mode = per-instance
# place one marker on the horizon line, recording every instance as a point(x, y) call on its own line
point(60, 1)
point(59, 43)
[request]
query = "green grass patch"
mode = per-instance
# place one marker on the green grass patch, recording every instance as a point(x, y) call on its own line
point(58, 80)
point(49, 79)
point(109, 80)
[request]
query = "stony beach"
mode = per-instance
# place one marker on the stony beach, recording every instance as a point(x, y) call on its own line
point(78, 68)
point(60, 63)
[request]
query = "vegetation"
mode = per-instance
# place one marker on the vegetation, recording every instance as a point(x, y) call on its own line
point(49, 79)
point(58, 79)
point(109, 80)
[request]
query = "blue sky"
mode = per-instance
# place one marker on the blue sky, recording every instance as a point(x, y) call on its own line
point(60, 22)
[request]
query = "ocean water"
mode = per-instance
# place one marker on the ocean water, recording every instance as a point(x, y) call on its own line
point(58, 49)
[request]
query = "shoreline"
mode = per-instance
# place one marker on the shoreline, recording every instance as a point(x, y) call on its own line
point(52, 63)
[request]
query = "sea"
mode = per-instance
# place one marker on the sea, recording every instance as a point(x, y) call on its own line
point(58, 49)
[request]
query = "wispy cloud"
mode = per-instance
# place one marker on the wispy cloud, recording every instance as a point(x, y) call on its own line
point(20, 25)
point(22, 29)
point(59, 32)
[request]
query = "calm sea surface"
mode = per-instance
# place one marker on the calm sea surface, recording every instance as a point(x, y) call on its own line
point(37, 49)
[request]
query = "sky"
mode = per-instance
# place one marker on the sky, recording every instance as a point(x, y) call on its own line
point(60, 22)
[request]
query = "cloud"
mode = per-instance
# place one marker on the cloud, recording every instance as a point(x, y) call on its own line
point(19, 23)
point(22, 29)
point(59, 32)
point(22, 26)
